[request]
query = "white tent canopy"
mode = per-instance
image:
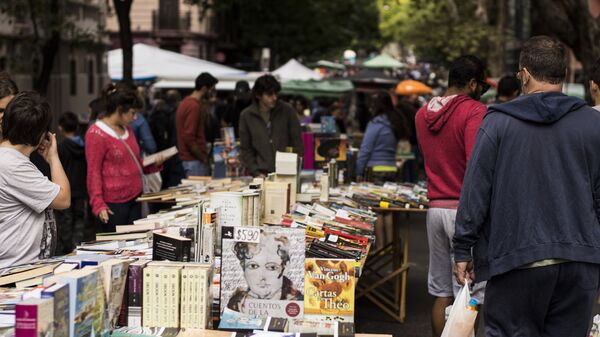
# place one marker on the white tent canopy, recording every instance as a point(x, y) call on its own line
point(294, 70)
point(153, 63)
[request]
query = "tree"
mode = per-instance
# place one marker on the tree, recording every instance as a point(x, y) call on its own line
point(303, 28)
point(572, 24)
point(123, 8)
point(50, 26)
point(440, 31)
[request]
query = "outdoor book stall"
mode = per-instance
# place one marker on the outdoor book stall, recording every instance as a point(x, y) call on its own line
point(249, 255)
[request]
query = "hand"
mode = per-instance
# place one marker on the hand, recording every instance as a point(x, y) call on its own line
point(48, 149)
point(464, 272)
point(104, 214)
point(160, 159)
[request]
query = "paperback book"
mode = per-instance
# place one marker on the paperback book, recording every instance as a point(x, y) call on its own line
point(329, 286)
point(262, 273)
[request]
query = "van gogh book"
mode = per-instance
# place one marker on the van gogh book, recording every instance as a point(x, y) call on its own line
point(329, 286)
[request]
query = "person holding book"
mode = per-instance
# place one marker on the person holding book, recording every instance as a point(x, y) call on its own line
point(264, 266)
point(267, 126)
point(26, 233)
point(115, 168)
point(378, 149)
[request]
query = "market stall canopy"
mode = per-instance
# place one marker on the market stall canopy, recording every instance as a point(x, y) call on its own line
point(383, 61)
point(152, 63)
point(412, 87)
point(294, 70)
point(310, 89)
point(330, 65)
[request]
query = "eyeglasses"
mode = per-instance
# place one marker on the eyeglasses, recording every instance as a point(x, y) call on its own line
point(484, 86)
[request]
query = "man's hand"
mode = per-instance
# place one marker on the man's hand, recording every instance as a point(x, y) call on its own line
point(464, 272)
point(104, 214)
point(48, 148)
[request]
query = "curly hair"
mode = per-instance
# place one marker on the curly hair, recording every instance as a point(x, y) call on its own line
point(245, 251)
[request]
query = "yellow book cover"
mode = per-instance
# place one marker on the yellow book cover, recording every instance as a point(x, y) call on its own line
point(329, 286)
point(148, 304)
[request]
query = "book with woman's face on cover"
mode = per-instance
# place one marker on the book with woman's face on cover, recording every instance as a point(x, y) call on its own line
point(263, 276)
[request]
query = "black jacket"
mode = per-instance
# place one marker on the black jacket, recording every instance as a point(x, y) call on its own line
point(532, 186)
point(72, 158)
point(258, 142)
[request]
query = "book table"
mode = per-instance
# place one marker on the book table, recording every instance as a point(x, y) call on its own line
point(219, 333)
point(380, 276)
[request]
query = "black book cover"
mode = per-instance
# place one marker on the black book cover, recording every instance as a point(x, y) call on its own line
point(171, 248)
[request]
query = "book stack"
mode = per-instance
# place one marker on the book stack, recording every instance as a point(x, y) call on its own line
point(176, 295)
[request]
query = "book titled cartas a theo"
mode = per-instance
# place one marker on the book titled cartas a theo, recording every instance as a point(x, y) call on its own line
point(329, 286)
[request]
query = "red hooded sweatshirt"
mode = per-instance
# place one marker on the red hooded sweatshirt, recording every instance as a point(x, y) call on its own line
point(446, 130)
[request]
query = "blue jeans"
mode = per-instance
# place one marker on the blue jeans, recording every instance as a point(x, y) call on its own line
point(195, 168)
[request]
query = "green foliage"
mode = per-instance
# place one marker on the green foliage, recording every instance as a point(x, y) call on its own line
point(304, 28)
point(436, 35)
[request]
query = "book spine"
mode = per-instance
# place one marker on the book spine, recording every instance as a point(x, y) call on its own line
point(250, 213)
point(147, 317)
point(184, 299)
point(244, 211)
point(175, 297)
point(256, 210)
point(26, 320)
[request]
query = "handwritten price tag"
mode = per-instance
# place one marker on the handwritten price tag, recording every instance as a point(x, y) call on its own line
point(246, 234)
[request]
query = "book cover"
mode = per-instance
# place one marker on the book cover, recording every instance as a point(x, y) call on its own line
point(135, 293)
point(115, 279)
point(145, 332)
point(263, 276)
point(170, 247)
point(34, 318)
point(83, 290)
point(329, 287)
point(195, 296)
point(328, 147)
point(60, 293)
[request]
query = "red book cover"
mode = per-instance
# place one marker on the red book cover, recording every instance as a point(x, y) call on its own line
point(26, 320)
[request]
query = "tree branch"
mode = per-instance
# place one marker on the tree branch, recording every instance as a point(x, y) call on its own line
point(32, 17)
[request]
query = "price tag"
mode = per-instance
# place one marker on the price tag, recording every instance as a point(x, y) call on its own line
point(246, 234)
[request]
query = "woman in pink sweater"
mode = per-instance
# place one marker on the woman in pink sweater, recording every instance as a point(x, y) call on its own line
point(114, 166)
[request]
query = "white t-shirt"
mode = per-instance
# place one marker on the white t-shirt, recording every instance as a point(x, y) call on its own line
point(25, 194)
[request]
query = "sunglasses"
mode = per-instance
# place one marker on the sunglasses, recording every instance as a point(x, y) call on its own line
point(2, 110)
point(484, 86)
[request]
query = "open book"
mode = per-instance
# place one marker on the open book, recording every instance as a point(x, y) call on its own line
point(168, 153)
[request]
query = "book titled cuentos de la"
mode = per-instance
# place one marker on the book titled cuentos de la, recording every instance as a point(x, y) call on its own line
point(329, 289)
point(262, 274)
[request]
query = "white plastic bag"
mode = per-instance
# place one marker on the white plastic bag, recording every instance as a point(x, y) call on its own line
point(461, 322)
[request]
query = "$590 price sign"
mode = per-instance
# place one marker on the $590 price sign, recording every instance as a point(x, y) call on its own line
point(246, 234)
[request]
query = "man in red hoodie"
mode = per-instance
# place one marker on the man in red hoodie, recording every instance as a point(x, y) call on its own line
point(446, 130)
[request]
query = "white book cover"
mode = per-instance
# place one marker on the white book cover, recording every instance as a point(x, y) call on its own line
point(263, 276)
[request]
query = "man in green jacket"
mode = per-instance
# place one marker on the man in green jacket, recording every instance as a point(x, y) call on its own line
point(267, 126)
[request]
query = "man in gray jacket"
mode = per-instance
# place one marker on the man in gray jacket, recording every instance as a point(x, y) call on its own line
point(267, 126)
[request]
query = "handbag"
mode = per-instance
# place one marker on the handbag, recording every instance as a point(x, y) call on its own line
point(151, 182)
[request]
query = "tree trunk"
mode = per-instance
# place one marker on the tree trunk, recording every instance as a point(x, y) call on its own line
point(123, 7)
point(50, 48)
point(572, 24)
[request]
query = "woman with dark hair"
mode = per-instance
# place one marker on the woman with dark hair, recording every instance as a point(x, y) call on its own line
point(378, 149)
point(115, 168)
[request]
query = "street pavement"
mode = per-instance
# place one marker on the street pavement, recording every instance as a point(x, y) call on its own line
point(370, 319)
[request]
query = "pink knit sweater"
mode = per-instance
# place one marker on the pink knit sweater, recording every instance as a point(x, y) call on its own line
point(112, 175)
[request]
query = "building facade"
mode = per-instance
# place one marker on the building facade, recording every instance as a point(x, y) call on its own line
point(79, 69)
point(169, 24)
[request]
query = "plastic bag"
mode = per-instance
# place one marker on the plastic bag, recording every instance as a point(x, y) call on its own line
point(461, 322)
